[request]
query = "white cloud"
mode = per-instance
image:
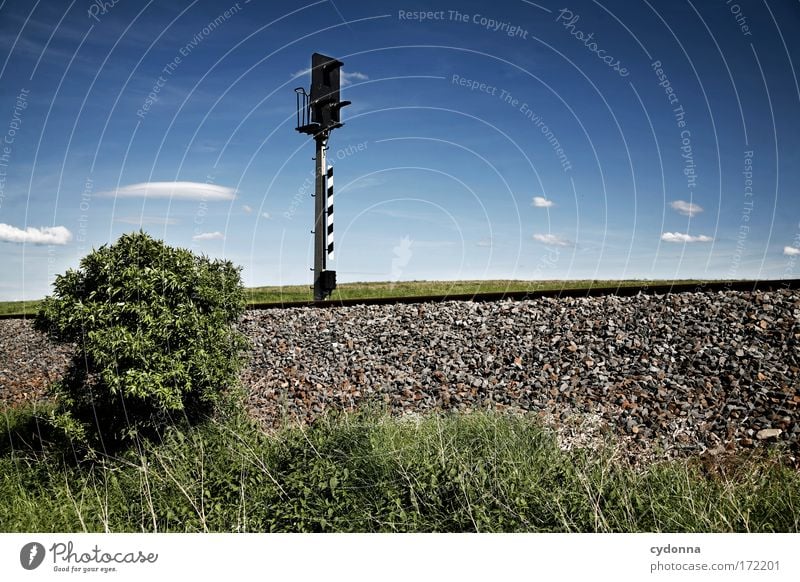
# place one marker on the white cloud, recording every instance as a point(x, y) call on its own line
point(348, 78)
point(553, 240)
point(791, 251)
point(216, 235)
point(541, 202)
point(686, 208)
point(247, 209)
point(46, 235)
point(174, 190)
point(484, 242)
point(679, 237)
point(142, 220)
point(266, 215)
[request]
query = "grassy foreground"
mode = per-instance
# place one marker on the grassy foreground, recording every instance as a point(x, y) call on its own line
point(371, 473)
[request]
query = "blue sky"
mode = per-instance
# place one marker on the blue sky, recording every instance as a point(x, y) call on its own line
point(586, 139)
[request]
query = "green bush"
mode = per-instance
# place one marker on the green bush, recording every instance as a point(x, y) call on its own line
point(154, 330)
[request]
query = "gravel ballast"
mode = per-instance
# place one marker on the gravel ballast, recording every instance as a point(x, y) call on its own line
point(672, 374)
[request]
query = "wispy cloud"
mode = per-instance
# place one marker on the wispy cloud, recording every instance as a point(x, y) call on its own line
point(791, 251)
point(216, 235)
point(686, 208)
point(679, 237)
point(142, 220)
point(247, 209)
point(541, 202)
point(361, 183)
point(266, 215)
point(484, 242)
point(348, 78)
point(174, 190)
point(553, 240)
point(46, 235)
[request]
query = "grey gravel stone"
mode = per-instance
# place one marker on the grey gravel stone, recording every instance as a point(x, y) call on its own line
point(768, 433)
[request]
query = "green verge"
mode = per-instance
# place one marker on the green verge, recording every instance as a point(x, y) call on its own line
point(19, 307)
point(367, 472)
point(291, 293)
point(422, 288)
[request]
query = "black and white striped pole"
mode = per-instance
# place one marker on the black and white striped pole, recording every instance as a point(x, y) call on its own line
point(318, 115)
point(329, 213)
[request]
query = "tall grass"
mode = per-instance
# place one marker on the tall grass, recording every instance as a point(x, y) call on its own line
point(372, 473)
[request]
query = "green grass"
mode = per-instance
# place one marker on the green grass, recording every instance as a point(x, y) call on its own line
point(389, 289)
point(421, 288)
point(19, 307)
point(371, 473)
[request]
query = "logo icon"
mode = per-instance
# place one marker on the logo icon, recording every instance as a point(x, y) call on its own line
point(31, 555)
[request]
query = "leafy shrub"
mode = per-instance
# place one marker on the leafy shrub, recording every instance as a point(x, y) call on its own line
point(154, 331)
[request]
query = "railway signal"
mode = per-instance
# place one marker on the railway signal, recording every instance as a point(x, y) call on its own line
point(319, 113)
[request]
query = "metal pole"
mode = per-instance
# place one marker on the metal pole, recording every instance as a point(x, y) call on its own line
point(320, 224)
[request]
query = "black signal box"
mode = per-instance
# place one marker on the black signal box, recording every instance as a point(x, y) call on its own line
point(324, 98)
point(328, 281)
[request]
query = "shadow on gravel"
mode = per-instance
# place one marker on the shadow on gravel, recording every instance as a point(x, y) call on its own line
point(36, 431)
